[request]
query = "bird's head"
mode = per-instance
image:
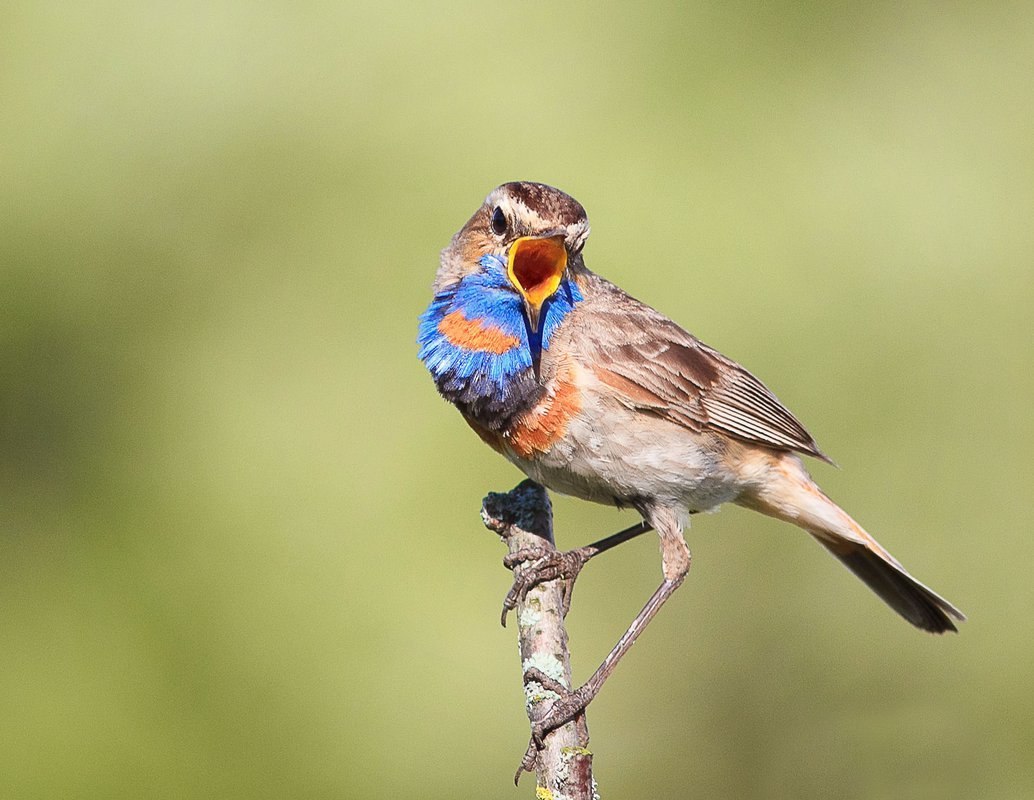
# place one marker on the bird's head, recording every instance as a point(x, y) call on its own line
point(535, 230)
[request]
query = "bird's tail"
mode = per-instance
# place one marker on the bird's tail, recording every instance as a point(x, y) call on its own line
point(790, 494)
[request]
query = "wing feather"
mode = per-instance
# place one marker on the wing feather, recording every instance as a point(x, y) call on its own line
point(655, 365)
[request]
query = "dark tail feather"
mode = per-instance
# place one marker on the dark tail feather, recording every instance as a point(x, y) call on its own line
point(920, 605)
point(790, 494)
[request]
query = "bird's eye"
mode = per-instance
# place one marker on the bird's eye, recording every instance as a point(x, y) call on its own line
point(498, 221)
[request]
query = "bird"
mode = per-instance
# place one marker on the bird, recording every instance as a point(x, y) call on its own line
point(594, 394)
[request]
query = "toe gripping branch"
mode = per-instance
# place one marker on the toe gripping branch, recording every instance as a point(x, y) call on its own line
point(542, 564)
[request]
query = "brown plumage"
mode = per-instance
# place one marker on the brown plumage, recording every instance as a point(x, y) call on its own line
point(665, 370)
point(604, 398)
point(654, 367)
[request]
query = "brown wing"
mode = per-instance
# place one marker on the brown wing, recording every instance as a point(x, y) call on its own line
point(655, 365)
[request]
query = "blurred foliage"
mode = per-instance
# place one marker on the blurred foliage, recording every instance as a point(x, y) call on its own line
point(239, 534)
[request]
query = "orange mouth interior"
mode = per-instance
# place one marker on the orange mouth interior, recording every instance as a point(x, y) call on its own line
point(536, 267)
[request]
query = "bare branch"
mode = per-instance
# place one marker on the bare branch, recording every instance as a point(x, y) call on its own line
point(523, 518)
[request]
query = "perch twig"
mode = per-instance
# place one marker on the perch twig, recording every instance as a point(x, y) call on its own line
point(523, 518)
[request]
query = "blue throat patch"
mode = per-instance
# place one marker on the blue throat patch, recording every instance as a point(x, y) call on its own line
point(490, 387)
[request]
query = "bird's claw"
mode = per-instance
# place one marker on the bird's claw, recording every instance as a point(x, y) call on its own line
point(527, 763)
point(541, 565)
point(566, 708)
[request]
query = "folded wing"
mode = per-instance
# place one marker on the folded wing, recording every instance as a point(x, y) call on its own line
point(656, 366)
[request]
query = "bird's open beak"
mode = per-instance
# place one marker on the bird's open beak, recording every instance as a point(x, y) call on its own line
point(536, 266)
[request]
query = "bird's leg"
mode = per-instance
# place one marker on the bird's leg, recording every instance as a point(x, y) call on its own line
point(570, 704)
point(541, 565)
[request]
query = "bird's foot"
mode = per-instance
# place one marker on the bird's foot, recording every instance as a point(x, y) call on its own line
point(541, 565)
point(566, 708)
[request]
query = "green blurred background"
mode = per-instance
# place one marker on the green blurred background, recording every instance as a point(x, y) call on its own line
point(241, 552)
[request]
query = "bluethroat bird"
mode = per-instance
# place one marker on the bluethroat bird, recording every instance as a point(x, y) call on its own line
point(595, 394)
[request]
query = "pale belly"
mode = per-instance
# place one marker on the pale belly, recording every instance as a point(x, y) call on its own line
point(651, 462)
